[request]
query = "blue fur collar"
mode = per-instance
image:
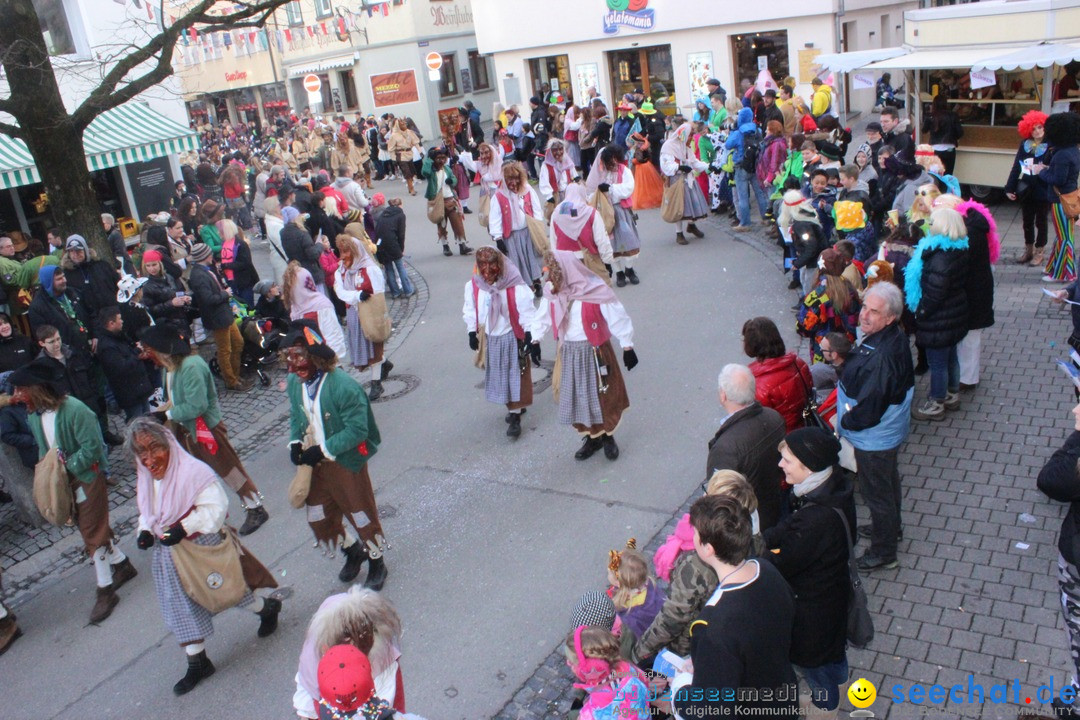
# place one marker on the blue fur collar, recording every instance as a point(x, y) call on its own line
point(913, 271)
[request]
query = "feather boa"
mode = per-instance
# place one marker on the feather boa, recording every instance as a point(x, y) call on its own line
point(913, 271)
point(992, 237)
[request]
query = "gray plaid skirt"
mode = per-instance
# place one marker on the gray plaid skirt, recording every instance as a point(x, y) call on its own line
point(362, 352)
point(502, 370)
point(186, 619)
point(523, 254)
point(579, 394)
point(625, 239)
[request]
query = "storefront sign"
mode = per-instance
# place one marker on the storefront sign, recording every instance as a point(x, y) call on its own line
point(235, 76)
point(449, 18)
point(982, 78)
point(633, 14)
point(151, 185)
point(396, 88)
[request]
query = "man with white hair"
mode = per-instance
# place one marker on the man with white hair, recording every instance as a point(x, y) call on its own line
point(748, 441)
point(873, 412)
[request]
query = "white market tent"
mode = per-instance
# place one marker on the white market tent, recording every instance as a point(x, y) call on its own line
point(1043, 55)
point(126, 134)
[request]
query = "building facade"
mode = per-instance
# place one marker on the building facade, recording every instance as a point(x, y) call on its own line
point(667, 49)
point(369, 57)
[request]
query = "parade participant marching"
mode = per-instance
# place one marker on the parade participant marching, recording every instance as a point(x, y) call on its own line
point(359, 280)
point(677, 162)
point(304, 301)
point(63, 422)
point(499, 305)
point(584, 313)
point(366, 620)
point(440, 189)
point(611, 175)
point(507, 224)
point(556, 172)
point(182, 510)
point(578, 228)
point(333, 430)
point(194, 415)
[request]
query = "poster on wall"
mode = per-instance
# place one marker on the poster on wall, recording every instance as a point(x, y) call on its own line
point(808, 67)
point(588, 75)
point(151, 185)
point(701, 69)
point(396, 88)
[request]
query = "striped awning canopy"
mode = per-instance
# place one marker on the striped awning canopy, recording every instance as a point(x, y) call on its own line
point(126, 134)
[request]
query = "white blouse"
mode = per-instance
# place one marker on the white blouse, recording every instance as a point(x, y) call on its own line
point(614, 313)
point(522, 294)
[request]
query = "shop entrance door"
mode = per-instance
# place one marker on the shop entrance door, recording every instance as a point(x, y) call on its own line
point(553, 71)
point(645, 70)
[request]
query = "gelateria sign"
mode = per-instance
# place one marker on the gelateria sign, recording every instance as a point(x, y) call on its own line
point(633, 14)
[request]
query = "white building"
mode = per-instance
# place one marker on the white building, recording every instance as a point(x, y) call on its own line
point(668, 48)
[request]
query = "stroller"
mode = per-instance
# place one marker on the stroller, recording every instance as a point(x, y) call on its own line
point(262, 336)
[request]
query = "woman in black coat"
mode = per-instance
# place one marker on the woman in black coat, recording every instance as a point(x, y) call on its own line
point(1034, 195)
point(943, 126)
point(984, 247)
point(16, 349)
point(163, 295)
point(935, 289)
point(810, 547)
point(1060, 480)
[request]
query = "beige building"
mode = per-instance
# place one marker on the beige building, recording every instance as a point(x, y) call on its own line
point(369, 58)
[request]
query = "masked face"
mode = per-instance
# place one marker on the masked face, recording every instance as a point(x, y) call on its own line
point(485, 155)
point(298, 362)
point(347, 256)
point(152, 456)
point(489, 266)
point(20, 396)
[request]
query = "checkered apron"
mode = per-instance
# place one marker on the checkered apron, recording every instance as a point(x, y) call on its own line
point(579, 394)
point(361, 350)
point(502, 371)
point(188, 621)
point(522, 253)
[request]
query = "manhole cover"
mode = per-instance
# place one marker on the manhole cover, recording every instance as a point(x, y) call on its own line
point(541, 377)
point(396, 386)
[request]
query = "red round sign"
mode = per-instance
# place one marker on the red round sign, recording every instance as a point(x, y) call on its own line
point(312, 83)
point(433, 60)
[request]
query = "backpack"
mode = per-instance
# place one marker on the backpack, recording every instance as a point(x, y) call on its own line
point(751, 149)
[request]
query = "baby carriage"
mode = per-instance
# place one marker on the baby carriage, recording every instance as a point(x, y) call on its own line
point(262, 336)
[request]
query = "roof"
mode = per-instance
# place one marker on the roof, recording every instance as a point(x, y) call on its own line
point(125, 134)
point(848, 61)
point(940, 58)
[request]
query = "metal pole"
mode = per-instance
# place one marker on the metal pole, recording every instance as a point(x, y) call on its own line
point(918, 106)
point(1047, 89)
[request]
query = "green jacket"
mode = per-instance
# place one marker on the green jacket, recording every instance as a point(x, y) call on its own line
point(193, 395)
point(352, 436)
point(78, 436)
point(433, 180)
point(27, 276)
point(209, 234)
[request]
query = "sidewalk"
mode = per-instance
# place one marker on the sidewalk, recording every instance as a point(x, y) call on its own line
point(975, 593)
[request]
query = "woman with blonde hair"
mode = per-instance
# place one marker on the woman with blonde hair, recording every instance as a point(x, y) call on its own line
point(236, 264)
point(928, 160)
point(274, 226)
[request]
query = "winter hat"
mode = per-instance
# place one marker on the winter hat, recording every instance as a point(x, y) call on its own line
point(289, 214)
point(305, 333)
point(879, 271)
point(947, 184)
point(815, 448)
point(165, 339)
point(345, 682)
point(152, 256)
point(832, 262)
point(39, 371)
point(874, 126)
point(263, 286)
point(201, 252)
point(127, 287)
point(594, 609)
point(828, 150)
point(77, 242)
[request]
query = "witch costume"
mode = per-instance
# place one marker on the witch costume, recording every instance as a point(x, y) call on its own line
point(618, 183)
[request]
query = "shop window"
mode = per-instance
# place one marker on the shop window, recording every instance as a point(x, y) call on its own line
point(348, 88)
point(478, 67)
point(294, 13)
point(448, 86)
point(55, 27)
point(647, 71)
point(753, 51)
point(553, 71)
point(323, 9)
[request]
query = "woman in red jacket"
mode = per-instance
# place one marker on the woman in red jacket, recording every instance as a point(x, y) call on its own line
point(783, 378)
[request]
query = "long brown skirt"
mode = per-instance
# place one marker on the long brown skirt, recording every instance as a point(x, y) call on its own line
point(338, 493)
point(255, 573)
point(225, 462)
point(526, 389)
point(613, 402)
point(92, 512)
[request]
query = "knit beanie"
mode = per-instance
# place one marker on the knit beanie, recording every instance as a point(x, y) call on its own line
point(815, 448)
point(201, 252)
point(77, 242)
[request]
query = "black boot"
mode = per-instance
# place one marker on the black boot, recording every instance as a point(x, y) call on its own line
point(514, 430)
point(376, 576)
point(375, 391)
point(268, 616)
point(588, 447)
point(611, 450)
point(620, 278)
point(256, 516)
point(384, 371)
point(509, 416)
point(199, 668)
point(693, 230)
point(632, 276)
point(355, 555)
point(464, 249)
point(446, 250)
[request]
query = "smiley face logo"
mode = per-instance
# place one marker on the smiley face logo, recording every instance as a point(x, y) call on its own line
point(862, 693)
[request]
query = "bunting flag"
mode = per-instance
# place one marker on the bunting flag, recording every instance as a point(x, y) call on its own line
point(227, 39)
point(251, 38)
point(324, 31)
point(194, 34)
point(288, 35)
point(310, 31)
point(341, 25)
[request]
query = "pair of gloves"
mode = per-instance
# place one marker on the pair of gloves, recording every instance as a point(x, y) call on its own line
point(534, 348)
point(299, 456)
point(173, 535)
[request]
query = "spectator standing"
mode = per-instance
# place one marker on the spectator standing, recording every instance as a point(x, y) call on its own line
point(117, 245)
point(163, 294)
point(832, 306)
point(783, 381)
point(945, 130)
point(236, 264)
point(16, 350)
point(123, 367)
point(300, 248)
point(1027, 188)
point(873, 413)
point(896, 135)
point(94, 280)
point(390, 238)
point(744, 144)
point(1063, 134)
point(212, 299)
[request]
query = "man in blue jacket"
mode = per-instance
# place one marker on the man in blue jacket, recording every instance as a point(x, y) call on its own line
point(744, 139)
point(873, 412)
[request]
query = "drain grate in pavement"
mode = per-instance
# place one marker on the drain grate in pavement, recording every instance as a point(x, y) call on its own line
point(397, 386)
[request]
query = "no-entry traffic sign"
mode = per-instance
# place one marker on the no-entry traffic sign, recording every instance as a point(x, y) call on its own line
point(433, 60)
point(312, 83)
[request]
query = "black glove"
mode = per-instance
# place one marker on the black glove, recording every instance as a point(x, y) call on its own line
point(501, 245)
point(474, 341)
point(551, 201)
point(160, 416)
point(534, 353)
point(364, 295)
point(312, 456)
point(685, 168)
point(528, 338)
point(609, 269)
point(145, 540)
point(295, 451)
point(603, 187)
point(174, 535)
point(629, 358)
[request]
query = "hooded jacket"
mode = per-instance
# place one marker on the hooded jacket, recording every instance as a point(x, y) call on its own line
point(783, 384)
point(45, 309)
point(95, 281)
point(735, 141)
point(390, 234)
point(935, 289)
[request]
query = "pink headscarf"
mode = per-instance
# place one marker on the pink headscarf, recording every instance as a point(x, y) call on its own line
point(184, 479)
point(509, 278)
point(570, 222)
point(600, 174)
point(579, 283)
point(560, 165)
point(306, 298)
point(678, 145)
point(494, 169)
point(677, 543)
point(361, 259)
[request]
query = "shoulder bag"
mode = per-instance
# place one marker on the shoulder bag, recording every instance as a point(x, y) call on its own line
point(211, 575)
point(52, 488)
point(673, 204)
point(373, 317)
point(811, 415)
point(1070, 203)
point(860, 624)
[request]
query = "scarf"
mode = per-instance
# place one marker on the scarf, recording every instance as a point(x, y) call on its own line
point(599, 174)
point(677, 543)
point(362, 260)
point(993, 240)
point(812, 482)
point(491, 172)
point(678, 145)
point(572, 214)
point(579, 283)
point(506, 281)
point(914, 268)
point(560, 166)
point(306, 298)
point(184, 479)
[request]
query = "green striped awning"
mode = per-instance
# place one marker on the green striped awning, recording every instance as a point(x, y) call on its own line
point(126, 134)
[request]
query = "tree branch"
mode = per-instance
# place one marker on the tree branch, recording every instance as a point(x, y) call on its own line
point(10, 130)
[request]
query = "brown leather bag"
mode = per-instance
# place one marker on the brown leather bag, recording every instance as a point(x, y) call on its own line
point(1070, 203)
point(52, 489)
point(211, 575)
